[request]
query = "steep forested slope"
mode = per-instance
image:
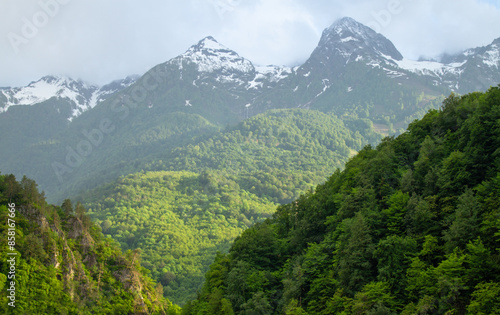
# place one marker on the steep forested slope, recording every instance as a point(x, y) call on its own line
point(241, 175)
point(279, 154)
point(103, 145)
point(54, 260)
point(411, 226)
point(179, 220)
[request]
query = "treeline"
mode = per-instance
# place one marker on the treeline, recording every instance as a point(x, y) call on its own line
point(409, 227)
point(63, 263)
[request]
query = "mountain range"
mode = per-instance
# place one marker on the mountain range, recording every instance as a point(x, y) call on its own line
point(354, 73)
point(81, 96)
point(345, 42)
point(178, 161)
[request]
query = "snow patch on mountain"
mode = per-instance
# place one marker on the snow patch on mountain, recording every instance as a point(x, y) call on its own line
point(210, 56)
point(430, 67)
point(492, 57)
point(40, 91)
point(347, 37)
point(326, 85)
point(83, 96)
point(274, 73)
point(268, 74)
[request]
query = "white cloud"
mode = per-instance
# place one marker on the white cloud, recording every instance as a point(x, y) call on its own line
point(99, 41)
point(272, 33)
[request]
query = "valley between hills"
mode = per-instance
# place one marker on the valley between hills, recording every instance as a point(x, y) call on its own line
point(356, 183)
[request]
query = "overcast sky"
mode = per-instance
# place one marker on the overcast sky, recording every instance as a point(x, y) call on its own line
point(102, 40)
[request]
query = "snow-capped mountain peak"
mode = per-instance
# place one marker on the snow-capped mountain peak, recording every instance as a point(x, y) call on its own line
point(490, 55)
point(347, 40)
point(208, 43)
point(463, 72)
point(44, 89)
point(81, 95)
point(347, 24)
point(351, 39)
point(211, 56)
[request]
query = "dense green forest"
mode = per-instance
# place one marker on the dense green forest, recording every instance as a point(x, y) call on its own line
point(178, 220)
point(131, 143)
point(278, 155)
point(411, 227)
point(277, 142)
point(56, 261)
point(236, 178)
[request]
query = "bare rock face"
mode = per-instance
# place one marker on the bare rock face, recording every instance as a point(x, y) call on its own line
point(79, 231)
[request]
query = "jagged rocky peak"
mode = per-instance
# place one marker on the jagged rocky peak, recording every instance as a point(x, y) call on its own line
point(51, 79)
point(208, 43)
point(347, 24)
point(347, 36)
point(64, 82)
point(81, 95)
point(120, 84)
point(496, 44)
point(490, 55)
point(212, 56)
point(46, 88)
point(59, 79)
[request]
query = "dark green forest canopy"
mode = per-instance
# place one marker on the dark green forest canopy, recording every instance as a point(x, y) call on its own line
point(411, 226)
point(64, 264)
point(277, 155)
point(180, 219)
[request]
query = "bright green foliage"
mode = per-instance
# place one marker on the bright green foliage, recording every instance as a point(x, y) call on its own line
point(281, 153)
point(278, 155)
point(409, 227)
point(293, 309)
point(395, 213)
point(64, 265)
point(243, 172)
point(485, 299)
point(373, 296)
point(179, 220)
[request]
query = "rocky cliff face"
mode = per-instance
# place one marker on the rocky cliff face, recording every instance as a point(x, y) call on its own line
point(62, 254)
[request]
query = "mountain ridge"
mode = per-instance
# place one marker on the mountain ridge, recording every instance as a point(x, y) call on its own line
point(405, 228)
point(346, 40)
point(83, 95)
point(371, 85)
